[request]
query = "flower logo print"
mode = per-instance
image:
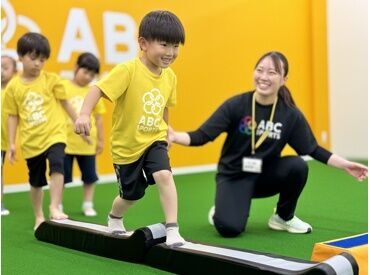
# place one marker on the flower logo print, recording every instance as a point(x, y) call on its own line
point(76, 103)
point(33, 102)
point(153, 102)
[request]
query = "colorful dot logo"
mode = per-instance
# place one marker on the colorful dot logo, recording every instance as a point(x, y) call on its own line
point(245, 125)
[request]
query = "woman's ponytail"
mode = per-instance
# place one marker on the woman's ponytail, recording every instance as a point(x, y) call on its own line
point(285, 94)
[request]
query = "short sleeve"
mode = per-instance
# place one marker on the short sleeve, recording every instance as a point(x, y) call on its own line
point(302, 139)
point(59, 88)
point(10, 105)
point(115, 83)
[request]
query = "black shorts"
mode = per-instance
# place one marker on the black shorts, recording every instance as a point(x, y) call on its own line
point(134, 178)
point(37, 165)
point(86, 165)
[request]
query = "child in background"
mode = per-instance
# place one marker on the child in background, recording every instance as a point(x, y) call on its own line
point(33, 102)
point(8, 70)
point(87, 68)
point(142, 89)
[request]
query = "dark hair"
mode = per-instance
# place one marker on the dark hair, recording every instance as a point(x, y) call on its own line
point(277, 59)
point(162, 26)
point(33, 42)
point(14, 62)
point(88, 61)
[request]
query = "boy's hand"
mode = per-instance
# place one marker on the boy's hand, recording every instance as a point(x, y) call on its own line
point(83, 125)
point(12, 154)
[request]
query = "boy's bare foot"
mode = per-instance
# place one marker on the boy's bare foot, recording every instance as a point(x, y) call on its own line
point(56, 214)
point(38, 221)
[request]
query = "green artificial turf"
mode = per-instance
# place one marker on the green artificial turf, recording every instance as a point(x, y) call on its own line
point(332, 202)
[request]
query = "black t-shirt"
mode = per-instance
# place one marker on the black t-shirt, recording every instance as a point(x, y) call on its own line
point(234, 117)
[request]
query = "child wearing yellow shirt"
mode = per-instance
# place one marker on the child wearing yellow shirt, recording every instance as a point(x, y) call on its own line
point(33, 102)
point(142, 90)
point(8, 70)
point(87, 68)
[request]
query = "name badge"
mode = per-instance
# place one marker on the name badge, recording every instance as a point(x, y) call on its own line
point(252, 165)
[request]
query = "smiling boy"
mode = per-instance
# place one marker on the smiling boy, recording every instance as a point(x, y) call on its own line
point(142, 90)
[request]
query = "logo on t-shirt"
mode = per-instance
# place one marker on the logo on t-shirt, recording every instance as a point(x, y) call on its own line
point(153, 103)
point(245, 125)
point(33, 104)
point(273, 128)
point(76, 103)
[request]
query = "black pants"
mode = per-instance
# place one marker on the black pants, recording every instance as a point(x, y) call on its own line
point(285, 176)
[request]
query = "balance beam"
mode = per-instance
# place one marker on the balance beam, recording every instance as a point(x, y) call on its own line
point(95, 239)
point(196, 258)
point(146, 245)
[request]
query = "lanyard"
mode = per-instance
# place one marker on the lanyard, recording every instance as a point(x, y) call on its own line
point(254, 124)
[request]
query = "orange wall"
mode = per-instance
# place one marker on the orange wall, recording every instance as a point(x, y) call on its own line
point(224, 39)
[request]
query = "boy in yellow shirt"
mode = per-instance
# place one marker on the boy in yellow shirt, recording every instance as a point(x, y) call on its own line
point(8, 70)
point(87, 68)
point(142, 90)
point(33, 102)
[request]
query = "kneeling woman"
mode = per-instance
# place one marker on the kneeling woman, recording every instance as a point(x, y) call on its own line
point(258, 125)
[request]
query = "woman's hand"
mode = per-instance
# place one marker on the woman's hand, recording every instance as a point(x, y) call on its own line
point(356, 170)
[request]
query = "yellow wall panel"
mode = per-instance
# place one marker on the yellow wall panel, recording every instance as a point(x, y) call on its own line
point(224, 39)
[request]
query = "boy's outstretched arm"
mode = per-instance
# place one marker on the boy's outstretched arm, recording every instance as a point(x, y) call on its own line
point(100, 133)
point(83, 123)
point(73, 115)
point(69, 109)
point(12, 130)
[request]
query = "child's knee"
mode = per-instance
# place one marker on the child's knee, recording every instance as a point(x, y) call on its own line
point(163, 177)
point(119, 201)
point(57, 166)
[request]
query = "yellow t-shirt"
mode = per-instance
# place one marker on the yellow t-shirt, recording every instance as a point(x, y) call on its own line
point(41, 118)
point(4, 124)
point(75, 144)
point(140, 98)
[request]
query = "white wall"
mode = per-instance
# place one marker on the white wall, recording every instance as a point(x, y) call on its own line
point(348, 91)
